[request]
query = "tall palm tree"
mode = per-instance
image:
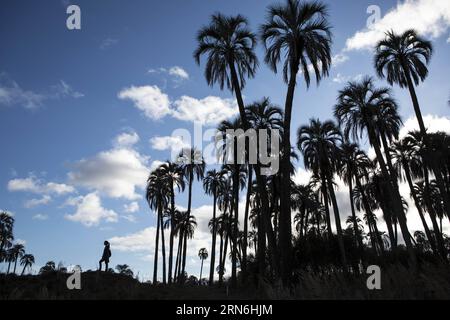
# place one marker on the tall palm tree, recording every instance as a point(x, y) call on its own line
point(212, 184)
point(157, 195)
point(18, 250)
point(173, 176)
point(231, 141)
point(319, 144)
point(406, 156)
point(351, 158)
point(357, 111)
point(229, 45)
point(402, 59)
point(299, 32)
point(263, 115)
point(192, 165)
point(27, 260)
point(203, 255)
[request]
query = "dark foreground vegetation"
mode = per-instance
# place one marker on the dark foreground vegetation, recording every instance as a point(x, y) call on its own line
point(397, 282)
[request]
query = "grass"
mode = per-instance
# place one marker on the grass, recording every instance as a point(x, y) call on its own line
point(397, 282)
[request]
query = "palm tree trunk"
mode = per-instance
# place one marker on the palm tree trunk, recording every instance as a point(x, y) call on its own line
point(201, 271)
point(213, 245)
point(155, 263)
point(247, 209)
point(23, 270)
point(397, 200)
point(337, 219)
point(437, 234)
point(220, 259)
point(15, 265)
point(419, 208)
point(234, 232)
point(423, 130)
point(171, 236)
point(9, 265)
point(327, 208)
point(358, 239)
point(191, 180)
point(163, 245)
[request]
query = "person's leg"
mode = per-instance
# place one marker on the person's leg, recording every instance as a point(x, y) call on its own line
point(100, 265)
point(106, 264)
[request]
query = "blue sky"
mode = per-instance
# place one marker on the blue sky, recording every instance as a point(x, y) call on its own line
point(80, 109)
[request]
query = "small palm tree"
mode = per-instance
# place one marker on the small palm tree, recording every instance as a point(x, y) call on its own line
point(6, 230)
point(124, 269)
point(18, 250)
point(27, 260)
point(212, 183)
point(203, 255)
point(297, 31)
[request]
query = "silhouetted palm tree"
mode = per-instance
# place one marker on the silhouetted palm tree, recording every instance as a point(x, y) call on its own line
point(192, 165)
point(212, 183)
point(6, 230)
point(124, 269)
point(358, 111)
point(27, 260)
point(319, 144)
point(157, 195)
point(298, 32)
point(203, 255)
point(18, 250)
point(173, 176)
point(403, 59)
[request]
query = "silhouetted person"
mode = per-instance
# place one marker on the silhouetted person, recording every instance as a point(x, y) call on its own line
point(105, 257)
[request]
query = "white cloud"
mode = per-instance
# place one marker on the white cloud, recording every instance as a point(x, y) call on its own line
point(40, 216)
point(131, 207)
point(428, 17)
point(126, 139)
point(12, 94)
point(20, 241)
point(37, 202)
point(209, 111)
point(62, 90)
point(339, 59)
point(34, 185)
point(432, 122)
point(140, 241)
point(179, 73)
point(89, 210)
point(108, 42)
point(155, 164)
point(339, 78)
point(116, 173)
point(173, 143)
point(150, 99)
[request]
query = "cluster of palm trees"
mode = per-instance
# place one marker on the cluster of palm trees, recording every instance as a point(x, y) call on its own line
point(11, 252)
point(296, 35)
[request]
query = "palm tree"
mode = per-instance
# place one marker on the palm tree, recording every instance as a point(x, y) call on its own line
point(319, 144)
point(173, 176)
point(232, 140)
point(6, 230)
point(18, 250)
point(298, 31)
point(351, 160)
point(192, 166)
point(27, 260)
point(212, 183)
point(124, 269)
point(403, 59)
point(406, 156)
point(157, 194)
point(229, 45)
point(263, 115)
point(203, 255)
point(357, 111)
